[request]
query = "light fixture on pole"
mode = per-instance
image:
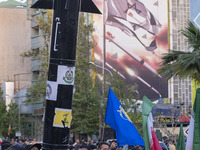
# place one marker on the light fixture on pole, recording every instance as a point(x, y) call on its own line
point(101, 68)
point(103, 83)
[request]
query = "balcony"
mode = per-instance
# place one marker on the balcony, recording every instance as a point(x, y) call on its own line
point(34, 24)
point(36, 42)
point(35, 65)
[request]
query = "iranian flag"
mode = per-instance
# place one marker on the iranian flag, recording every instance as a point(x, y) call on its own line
point(193, 138)
point(150, 138)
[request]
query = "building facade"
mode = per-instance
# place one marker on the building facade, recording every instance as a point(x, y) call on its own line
point(180, 91)
point(38, 41)
point(14, 36)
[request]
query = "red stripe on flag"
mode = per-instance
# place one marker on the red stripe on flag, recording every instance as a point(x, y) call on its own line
point(155, 143)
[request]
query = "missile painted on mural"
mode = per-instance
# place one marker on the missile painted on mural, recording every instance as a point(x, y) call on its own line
point(133, 55)
point(132, 73)
point(61, 73)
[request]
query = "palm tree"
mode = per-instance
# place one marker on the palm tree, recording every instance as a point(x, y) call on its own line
point(184, 64)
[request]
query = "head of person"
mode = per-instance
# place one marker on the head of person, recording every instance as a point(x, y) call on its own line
point(93, 147)
point(34, 141)
point(103, 146)
point(85, 147)
point(21, 141)
point(12, 141)
point(91, 141)
point(140, 147)
point(27, 142)
point(174, 142)
point(71, 147)
point(36, 146)
point(5, 145)
point(77, 141)
point(113, 145)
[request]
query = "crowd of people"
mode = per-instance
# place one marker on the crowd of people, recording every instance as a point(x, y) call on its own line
point(171, 145)
point(20, 144)
point(93, 145)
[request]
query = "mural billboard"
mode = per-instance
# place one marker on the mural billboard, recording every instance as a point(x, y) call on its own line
point(136, 36)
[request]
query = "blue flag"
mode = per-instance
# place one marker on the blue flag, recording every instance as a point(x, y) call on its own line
point(117, 118)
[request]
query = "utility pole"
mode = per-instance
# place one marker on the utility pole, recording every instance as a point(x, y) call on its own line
point(61, 71)
point(101, 124)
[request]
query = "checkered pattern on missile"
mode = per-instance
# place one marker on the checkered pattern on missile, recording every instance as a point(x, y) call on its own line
point(65, 76)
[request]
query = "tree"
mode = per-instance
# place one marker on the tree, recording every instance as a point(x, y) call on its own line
point(13, 118)
point(37, 91)
point(3, 116)
point(124, 92)
point(9, 117)
point(127, 97)
point(85, 104)
point(86, 101)
point(184, 64)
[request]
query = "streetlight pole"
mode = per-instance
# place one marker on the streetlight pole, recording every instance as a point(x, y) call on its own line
point(103, 84)
point(101, 68)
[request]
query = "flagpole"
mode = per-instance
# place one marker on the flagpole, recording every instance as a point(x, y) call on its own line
point(103, 67)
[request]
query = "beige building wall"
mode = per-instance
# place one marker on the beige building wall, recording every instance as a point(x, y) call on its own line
point(15, 39)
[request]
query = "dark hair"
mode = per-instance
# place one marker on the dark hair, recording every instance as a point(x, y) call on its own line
point(16, 147)
point(92, 146)
point(38, 145)
point(85, 146)
point(5, 144)
point(102, 143)
point(71, 147)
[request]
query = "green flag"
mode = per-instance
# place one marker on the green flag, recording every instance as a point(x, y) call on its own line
point(193, 138)
point(196, 110)
point(146, 109)
point(150, 138)
point(181, 140)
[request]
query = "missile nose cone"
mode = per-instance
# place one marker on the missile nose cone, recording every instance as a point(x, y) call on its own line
point(86, 5)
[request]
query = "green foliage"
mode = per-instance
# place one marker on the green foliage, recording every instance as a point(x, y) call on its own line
point(25, 124)
point(127, 97)
point(3, 116)
point(8, 117)
point(184, 64)
point(37, 91)
point(124, 92)
point(86, 99)
point(136, 118)
point(13, 115)
point(192, 34)
point(1, 94)
point(44, 21)
point(34, 54)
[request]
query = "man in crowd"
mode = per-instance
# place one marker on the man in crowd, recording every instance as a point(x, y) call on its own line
point(103, 146)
